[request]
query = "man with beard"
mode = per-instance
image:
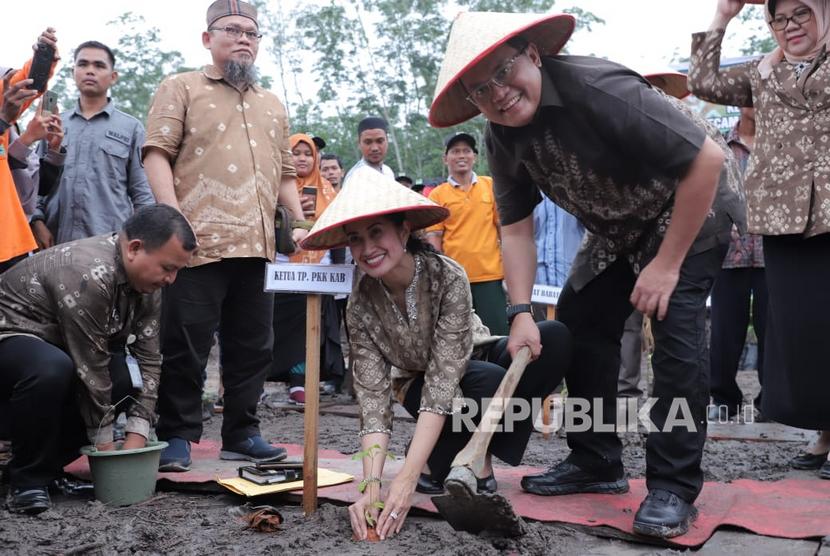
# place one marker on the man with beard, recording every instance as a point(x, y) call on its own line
point(217, 149)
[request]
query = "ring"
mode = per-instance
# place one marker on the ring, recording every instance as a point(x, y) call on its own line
point(393, 515)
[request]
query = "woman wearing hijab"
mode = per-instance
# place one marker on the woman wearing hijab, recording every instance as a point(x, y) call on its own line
point(316, 193)
point(788, 195)
point(414, 338)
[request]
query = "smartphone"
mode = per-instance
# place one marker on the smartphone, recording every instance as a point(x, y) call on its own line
point(49, 102)
point(41, 64)
point(312, 192)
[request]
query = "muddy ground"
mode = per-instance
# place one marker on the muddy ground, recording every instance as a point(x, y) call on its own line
point(187, 523)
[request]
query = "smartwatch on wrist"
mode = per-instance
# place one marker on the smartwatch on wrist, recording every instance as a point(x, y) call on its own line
point(514, 310)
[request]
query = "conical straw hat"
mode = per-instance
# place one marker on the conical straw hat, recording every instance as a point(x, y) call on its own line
point(473, 36)
point(669, 81)
point(367, 194)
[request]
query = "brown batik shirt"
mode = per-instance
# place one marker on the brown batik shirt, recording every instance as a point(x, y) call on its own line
point(434, 338)
point(76, 296)
point(611, 150)
point(788, 174)
point(229, 151)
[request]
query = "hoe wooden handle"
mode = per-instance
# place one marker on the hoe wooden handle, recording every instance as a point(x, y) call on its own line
point(473, 454)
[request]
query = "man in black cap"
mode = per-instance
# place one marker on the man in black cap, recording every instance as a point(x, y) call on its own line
point(471, 234)
point(373, 142)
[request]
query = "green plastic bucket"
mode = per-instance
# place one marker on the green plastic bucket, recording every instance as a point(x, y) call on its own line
point(124, 477)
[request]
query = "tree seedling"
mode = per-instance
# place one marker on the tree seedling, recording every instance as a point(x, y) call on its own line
point(370, 453)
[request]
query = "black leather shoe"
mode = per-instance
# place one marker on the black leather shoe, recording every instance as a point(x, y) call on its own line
point(427, 485)
point(824, 470)
point(487, 485)
point(664, 515)
point(30, 501)
point(567, 478)
point(808, 461)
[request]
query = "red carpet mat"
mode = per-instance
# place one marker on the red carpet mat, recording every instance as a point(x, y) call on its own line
point(793, 509)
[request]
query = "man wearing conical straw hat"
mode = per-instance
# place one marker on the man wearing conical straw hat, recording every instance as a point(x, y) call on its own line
point(647, 183)
point(414, 337)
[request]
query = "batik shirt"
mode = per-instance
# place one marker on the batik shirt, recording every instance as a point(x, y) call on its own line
point(609, 149)
point(433, 338)
point(229, 152)
point(76, 296)
point(745, 250)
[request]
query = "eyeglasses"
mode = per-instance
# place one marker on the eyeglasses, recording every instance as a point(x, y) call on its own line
point(799, 17)
point(236, 33)
point(501, 77)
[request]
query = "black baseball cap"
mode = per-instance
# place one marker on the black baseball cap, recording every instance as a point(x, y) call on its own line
point(460, 137)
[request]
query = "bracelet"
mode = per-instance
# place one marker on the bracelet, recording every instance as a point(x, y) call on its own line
point(372, 480)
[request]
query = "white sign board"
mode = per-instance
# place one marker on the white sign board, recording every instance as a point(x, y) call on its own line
point(309, 278)
point(547, 295)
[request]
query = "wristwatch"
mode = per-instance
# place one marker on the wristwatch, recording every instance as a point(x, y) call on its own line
point(514, 310)
point(4, 125)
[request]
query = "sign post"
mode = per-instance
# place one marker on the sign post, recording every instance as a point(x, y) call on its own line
point(549, 296)
point(313, 280)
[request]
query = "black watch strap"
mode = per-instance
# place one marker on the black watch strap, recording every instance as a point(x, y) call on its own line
point(514, 310)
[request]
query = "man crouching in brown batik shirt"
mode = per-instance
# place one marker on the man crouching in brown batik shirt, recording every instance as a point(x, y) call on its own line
point(65, 315)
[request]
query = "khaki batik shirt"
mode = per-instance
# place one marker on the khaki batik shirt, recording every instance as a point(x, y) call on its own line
point(229, 151)
point(434, 338)
point(610, 149)
point(76, 296)
point(788, 174)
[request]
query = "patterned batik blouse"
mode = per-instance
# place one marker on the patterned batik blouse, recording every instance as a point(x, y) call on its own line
point(76, 296)
point(435, 338)
point(788, 174)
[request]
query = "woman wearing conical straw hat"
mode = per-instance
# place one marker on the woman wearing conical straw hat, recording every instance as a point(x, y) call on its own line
point(647, 183)
point(788, 194)
point(415, 338)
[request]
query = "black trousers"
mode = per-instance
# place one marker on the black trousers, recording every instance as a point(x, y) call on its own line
point(38, 398)
point(797, 356)
point(734, 291)
point(595, 316)
point(481, 380)
point(229, 295)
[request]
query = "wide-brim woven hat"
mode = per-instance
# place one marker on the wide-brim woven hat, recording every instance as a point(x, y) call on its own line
point(473, 36)
point(368, 194)
point(670, 82)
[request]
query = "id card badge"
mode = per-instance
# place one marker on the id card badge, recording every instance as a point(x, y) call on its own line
point(135, 372)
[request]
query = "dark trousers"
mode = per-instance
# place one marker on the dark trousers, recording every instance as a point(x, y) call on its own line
point(229, 295)
point(481, 380)
point(38, 395)
point(595, 316)
point(734, 291)
point(5, 265)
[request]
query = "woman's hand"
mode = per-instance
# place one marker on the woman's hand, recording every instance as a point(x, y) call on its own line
point(726, 10)
point(397, 504)
point(365, 504)
point(524, 332)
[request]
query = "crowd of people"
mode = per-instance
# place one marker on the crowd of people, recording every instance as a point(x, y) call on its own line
point(125, 253)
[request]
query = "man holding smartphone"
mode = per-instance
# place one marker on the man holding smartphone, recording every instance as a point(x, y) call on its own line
point(15, 237)
point(103, 181)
